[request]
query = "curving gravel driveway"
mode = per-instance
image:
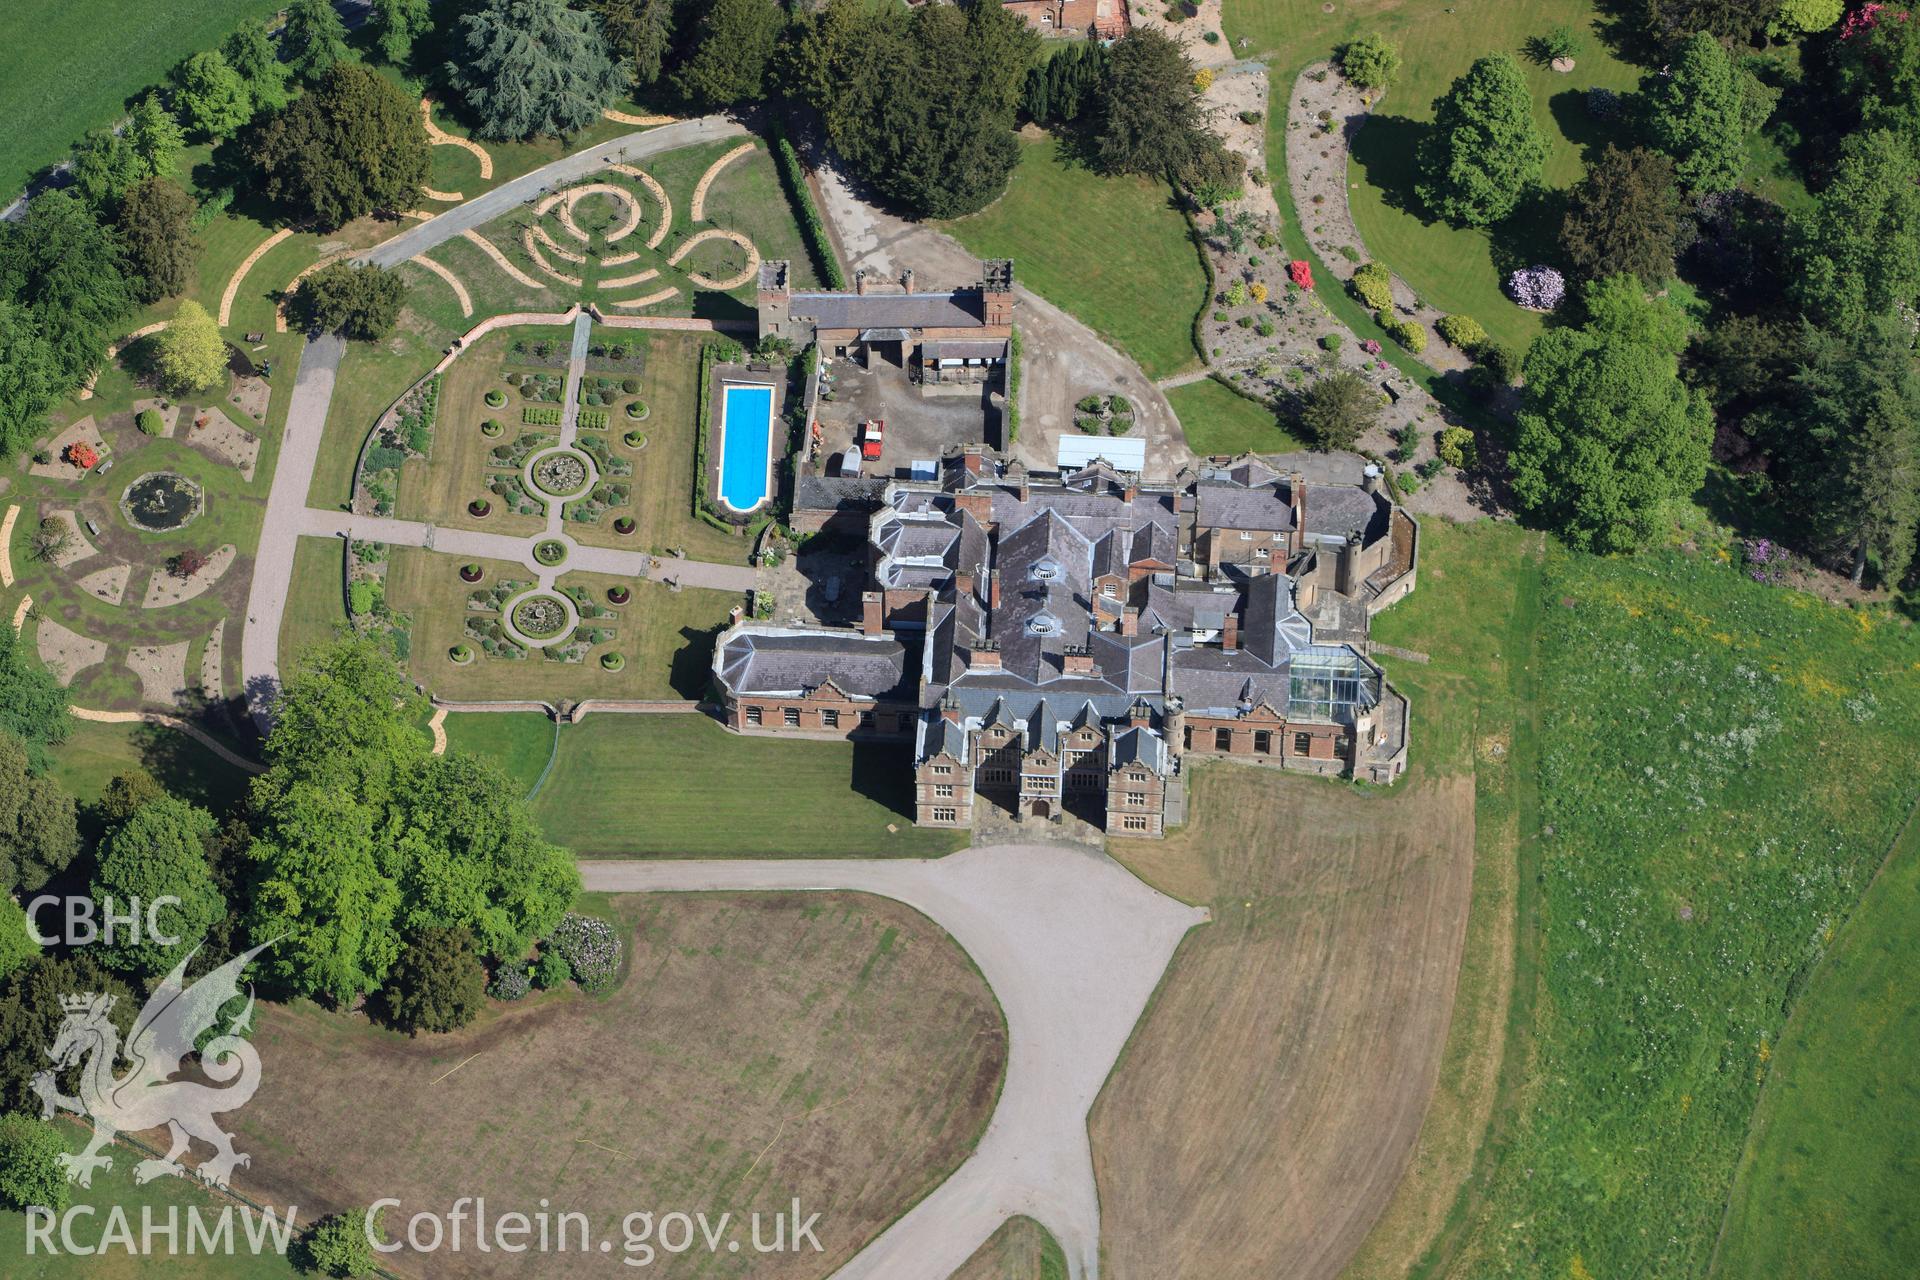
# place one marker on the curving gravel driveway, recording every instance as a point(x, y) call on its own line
point(1073, 946)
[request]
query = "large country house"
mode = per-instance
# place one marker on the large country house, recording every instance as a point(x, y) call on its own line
point(1059, 643)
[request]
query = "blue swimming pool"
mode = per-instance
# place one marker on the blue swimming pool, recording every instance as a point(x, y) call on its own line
point(746, 439)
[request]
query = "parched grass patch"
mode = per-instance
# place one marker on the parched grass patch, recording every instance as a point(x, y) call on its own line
point(837, 1048)
point(1111, 251)
point(682, 784)
point(1022, 1249)
point(1725, 765)
point(1215, 420)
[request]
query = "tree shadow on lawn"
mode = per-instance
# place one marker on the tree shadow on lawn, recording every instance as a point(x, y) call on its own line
point(1530, 235)
point(1385, 150)
point(1585, 130)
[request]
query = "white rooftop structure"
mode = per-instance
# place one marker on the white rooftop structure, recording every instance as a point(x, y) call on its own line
point(1122, 453)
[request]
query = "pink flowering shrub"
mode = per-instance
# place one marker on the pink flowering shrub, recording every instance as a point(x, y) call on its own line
point(1537, 288)
point(1371, 346)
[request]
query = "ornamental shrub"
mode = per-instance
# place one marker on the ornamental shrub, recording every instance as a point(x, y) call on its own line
point(630, 385)
point(149, 422)
point(552, 971)
point(360, 598)
point(338, 1245)
point(1463, 332)
point(1373, 285)
point(1369, 62)
point(510, 983)
point(1537, 288)
point(590, 946)
point(1455, 447)
point(30, 1172)
point(1410, 334)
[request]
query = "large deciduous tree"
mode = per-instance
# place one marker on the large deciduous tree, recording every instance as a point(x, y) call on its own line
point(159, 852)
point(156, 227)
point(251, 54)
point(1623, 217)
point(189, 354)
point(1694, 114)
point(400, 23)
point(156, 138)
point(1608, 434)
point(732, 48)
point(68, 272)
point(39, 834)
point(213, 98)
point(363, 837)
point(30, 1169)
point(531, 67)
point(1484, 151)
point(352, 145)
point(923, 104)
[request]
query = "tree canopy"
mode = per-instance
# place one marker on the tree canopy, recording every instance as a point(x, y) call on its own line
point(531, 67)
point(400, 23)
point(39, 834)
point(155, 223)
point(33, 705)
point(1370, 61)
point(1484, 152)
point(1338, 409)
point(1858, 246)
point(30, 1169)
point(437, 984)
point(1608, 433)
point(363, 837)
point(69, 273)
point(313, 40)
point(213, 99)
point(160, 851)
point(362, 303)
point(189, 354)
point(641, 33)
point(1694, 115)
point(921, 103)
point(31, 1014)
point(354, 144)
point(731, 51)
point(1623, 217)
point(251, 54)
point(1151, 117)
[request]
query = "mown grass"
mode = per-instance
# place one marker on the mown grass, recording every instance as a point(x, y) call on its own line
point(1111, 251)
point(316, 609)
point(66, 68)
point(1723, 767)
point(521, 742)
point(94, 754)
point(639, 784)
point(1829, 1182)
point(1216, 420)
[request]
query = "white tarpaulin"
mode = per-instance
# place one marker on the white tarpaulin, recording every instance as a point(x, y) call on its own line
point(1121, 452)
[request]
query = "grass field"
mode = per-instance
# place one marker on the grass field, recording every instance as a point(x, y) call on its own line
point(1216, 420)
point(1020, 1250)
point(315, 609)
point(1724, 767)
point(837, 1048)
point(1828, 1185)
point(521, 742)
point(115, 1189)
point(1120, 260)
point(1284, 1025)
point(94, 754)
point(635, 784)
point(66, 68)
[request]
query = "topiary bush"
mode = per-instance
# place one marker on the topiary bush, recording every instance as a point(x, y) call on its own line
point(591, 947)
point(1455, 447)
point(1372, 283)
point(630, 385)
point(496, 397)
point(1463, 332)
point(149, 422)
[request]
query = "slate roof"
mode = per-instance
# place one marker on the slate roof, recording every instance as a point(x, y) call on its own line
point(958, 310)
point(781, 660)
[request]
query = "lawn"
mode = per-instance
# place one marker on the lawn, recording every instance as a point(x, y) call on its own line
point(838, 1048)
point(1828, 1185)
point(1022, 1249)
point(1216, 420)
point(521, 742)
point(66, 68)
point(1334, 1001)
point(681, 784)
point(94, 754)
point(114, 1190)
point(1112, 251)
point(1725, 766)
point(316, 610)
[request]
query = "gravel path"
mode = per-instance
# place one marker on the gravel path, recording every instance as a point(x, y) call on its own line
point(1073, 946)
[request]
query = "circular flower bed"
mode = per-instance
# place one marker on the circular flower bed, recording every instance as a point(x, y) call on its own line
point(470, 573)
point(550, 552)
point(540, 617)
point(635, 439)
point(619, 595)
point(637, 410)
point(561, 473)
point(624, 526)
point(161, 500)
point(479, 508)
point(496, 398)
point(460, 654)
point(492, 428)
point(612, 661)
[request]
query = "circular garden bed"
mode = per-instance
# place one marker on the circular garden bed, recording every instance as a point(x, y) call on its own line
point(492, 428)
point(624, 526)
point(496, 398)
point(619, 595)
point(612, 661)
point(479, 508)
point(541, 617)
point(460, 655)
point(470, 573)
point(637, 410)
point(162, 500)
point(550, 552)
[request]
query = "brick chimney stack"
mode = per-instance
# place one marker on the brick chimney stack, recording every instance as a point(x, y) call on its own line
point(1140, 715)
point(963, 582)
point(1078, 662)
point(1129, 622)
point(1230, 633)
point(985, 654)
point(950, 710)
point(1131, 489)
point(993, 589)
point(872, 613)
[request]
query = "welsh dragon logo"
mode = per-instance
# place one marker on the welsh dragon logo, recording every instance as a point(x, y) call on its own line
point(146, 1097)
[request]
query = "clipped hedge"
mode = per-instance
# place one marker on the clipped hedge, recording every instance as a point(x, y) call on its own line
point(541, 415)
point(819, 244)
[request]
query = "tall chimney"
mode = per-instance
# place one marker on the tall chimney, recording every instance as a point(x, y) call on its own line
point(872, 613)
point(1131, 489)
point(1230, 633)
point(1129, 622)
point(993, 589)
point(1297, 496)
point(963, 582)
point(984, 654)
point(1078, 662)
